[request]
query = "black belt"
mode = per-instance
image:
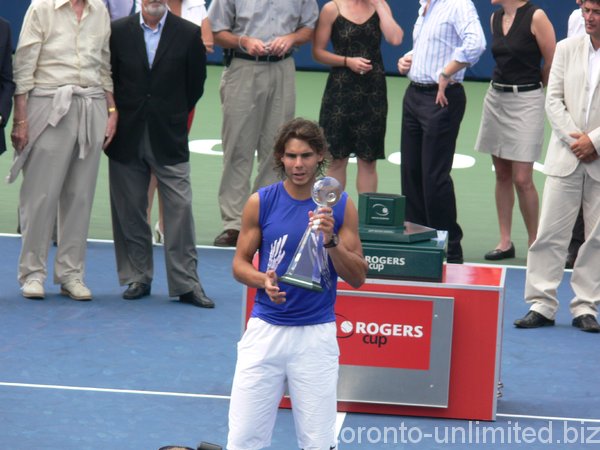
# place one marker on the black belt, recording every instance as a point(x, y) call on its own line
point(265, 58)
point(430, 87)
point(516, 87)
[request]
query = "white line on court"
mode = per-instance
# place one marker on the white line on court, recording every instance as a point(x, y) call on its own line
point(110, 241)
point(563, 419)
point(115, 391)
point(212, 247)
point(339, 420)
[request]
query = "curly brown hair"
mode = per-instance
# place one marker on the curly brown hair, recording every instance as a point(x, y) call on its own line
point(304, 130)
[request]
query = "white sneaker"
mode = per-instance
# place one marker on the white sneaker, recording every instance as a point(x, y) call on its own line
point(76, 290)
point(33, 289)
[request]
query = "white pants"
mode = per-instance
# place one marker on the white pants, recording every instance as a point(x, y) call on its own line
point(307, 358)
point(546, 258)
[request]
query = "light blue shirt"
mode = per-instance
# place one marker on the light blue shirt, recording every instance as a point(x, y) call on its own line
point(450, 30)
point(152, 37)
point(119, 8)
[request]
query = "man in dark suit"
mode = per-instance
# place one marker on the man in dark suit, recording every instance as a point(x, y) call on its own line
point(7, 86)
point(159, 67)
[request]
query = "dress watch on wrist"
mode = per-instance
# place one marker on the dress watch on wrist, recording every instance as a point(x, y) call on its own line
point(333, 242)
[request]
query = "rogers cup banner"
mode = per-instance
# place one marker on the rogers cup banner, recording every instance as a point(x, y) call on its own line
point(395, 334)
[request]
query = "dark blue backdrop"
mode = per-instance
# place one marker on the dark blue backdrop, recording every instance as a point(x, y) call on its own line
point(405, 12)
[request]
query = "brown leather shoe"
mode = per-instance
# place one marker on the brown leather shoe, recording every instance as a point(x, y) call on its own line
point(227, 238)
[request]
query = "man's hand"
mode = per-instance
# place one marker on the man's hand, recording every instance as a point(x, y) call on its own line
point(281, 45)
point(20, 135)
point(323, 222)
point(440, 98)
point(253, 46)
point(404, 64)
point(111, 129)
point(272, 289)
point(583, 148)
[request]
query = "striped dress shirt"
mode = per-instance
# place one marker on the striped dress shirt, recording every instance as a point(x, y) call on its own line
point(450, 30)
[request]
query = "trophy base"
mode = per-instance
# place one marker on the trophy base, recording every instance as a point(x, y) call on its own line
point(410, 232)
point(419, 261)
point(301, 282)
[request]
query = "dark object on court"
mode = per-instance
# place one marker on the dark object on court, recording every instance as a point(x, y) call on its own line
point(175, 447)
point(201, 446)
point(209, 446)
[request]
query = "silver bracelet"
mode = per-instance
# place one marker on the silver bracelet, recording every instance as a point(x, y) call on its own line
point(240, 43)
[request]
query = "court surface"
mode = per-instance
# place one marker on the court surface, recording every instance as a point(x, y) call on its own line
point(137, 375)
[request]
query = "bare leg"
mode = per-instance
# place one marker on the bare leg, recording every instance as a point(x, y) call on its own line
point(337, 170)
point(366, 177)
point(505, 200)
point(528, 197)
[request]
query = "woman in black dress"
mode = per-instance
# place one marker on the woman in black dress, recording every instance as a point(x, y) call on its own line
point(354, 107)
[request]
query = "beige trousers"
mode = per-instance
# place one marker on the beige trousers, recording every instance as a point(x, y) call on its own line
point(57, 181)
point(546, 258)
point(256, 98)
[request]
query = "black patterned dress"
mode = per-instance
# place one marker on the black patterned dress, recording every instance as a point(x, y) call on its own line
point(354, 107)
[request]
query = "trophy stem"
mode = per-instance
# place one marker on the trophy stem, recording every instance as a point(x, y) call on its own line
point(309, 264)
point(305, 268)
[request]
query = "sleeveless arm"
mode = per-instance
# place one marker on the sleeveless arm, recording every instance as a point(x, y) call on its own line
point(323, 35)
point(392, 32)
point(542, 29)
point(247, 245)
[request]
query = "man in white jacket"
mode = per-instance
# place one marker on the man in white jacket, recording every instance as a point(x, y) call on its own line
point(572, 167)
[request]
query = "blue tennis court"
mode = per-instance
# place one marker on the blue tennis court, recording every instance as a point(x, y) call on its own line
point(138, 375)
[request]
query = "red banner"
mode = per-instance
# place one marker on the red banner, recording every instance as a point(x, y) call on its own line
point(395, 334)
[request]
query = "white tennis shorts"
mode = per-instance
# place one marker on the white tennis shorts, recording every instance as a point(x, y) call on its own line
point(307, 358)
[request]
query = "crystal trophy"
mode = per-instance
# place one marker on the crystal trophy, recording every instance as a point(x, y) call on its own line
point(310, 259)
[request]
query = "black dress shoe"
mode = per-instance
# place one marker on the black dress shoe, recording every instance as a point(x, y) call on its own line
point(175, 447)
point(208, 446)
point(533, 320)
point(497, 254)
point(586, 322)
point(454, 259)
point(197, 297)
point(136, 290)
point(227, 238)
